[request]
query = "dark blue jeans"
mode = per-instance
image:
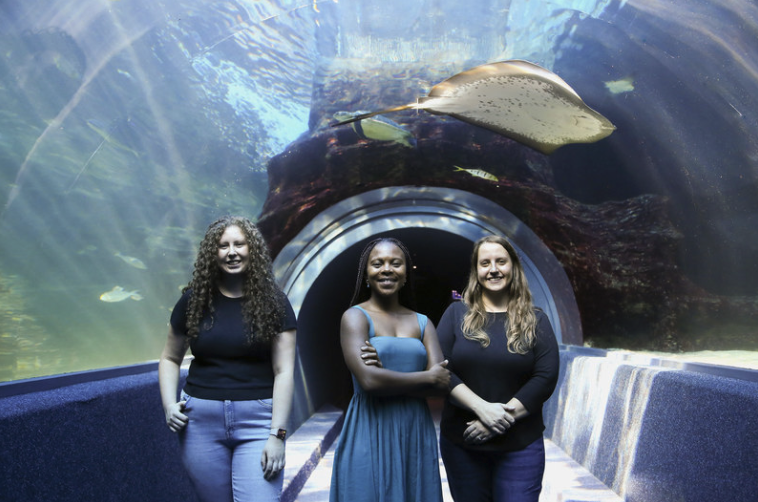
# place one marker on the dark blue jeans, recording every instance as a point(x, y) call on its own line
point(494, 476)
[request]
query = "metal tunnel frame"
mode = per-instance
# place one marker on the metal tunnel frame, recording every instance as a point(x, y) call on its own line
point(443, 209)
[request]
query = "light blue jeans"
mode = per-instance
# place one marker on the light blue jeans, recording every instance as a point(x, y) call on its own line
point(221, 449)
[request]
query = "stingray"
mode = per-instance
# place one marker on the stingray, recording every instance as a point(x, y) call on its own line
point(517, 99)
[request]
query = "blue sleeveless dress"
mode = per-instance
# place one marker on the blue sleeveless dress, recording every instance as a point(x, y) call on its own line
point(387, 451)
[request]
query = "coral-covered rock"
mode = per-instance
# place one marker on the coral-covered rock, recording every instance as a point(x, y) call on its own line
point(620, 256)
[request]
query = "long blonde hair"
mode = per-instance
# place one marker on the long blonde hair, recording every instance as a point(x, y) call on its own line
point(521, 321)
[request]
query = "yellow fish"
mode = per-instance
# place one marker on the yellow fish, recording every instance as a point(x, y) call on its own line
point(118, 294)
point(131, 260)
point(478, 173)
point(380, 129)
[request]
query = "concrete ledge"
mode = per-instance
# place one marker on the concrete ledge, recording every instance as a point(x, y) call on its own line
point(307, 446)
point(101, 435)
point(103, 440)
point(565, 480)
point(654, 433)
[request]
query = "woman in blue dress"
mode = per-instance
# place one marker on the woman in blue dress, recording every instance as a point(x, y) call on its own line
point(387, 451)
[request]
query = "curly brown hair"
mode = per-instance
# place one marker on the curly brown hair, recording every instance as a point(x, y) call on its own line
point(523, 321)
point(262, 308)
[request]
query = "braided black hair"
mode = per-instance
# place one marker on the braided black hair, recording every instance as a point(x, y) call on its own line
point(362, 293)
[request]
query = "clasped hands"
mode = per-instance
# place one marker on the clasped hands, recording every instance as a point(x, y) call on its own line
point(494, 419)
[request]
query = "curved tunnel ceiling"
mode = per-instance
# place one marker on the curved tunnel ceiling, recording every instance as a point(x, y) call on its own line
point(444, 210)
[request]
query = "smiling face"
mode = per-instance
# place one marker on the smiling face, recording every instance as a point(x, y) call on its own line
point(494, 268)
point(385, 270)
point(233, 254)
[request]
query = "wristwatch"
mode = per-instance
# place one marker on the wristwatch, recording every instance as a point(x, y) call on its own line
point(279, 433)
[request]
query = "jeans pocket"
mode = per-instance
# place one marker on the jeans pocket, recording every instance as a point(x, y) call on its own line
point(266, 403)
point(186, 398)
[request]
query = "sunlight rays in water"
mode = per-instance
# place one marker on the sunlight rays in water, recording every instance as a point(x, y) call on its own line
point(56, 122)
point(176, 168)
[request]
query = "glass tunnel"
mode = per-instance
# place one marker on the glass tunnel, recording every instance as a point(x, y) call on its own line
point(127, 126)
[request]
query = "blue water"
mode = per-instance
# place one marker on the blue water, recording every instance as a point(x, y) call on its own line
point(126, 126)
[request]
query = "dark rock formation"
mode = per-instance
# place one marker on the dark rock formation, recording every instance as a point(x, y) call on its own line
point(620, 256)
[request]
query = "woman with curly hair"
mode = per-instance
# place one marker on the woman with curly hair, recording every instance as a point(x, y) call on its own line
point(387, 451)
point(233, 411)
point(504, 365)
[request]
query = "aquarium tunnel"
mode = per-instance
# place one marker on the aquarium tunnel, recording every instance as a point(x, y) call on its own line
point(126, 127)
point(317, 269)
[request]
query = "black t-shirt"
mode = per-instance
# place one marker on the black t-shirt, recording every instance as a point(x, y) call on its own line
point(497, 375)
point(226, 366)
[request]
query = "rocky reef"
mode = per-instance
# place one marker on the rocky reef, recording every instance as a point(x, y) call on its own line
point(620, 256)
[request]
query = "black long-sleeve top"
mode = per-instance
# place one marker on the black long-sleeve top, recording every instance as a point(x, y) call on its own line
point(497, 375)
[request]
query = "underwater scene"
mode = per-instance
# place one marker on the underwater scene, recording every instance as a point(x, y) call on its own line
point(625, 137)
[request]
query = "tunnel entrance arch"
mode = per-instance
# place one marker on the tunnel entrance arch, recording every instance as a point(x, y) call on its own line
point(317, 270)
point(445, 210)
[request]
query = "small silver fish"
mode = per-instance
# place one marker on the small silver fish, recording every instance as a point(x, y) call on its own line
point(379, 128)
point(478, 173)
point(118, 294)
point(131, 260)
point(87, 250)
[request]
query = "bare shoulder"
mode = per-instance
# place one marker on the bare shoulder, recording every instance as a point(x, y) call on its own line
point(354, 329)
point(352, 314)
point(354, 318)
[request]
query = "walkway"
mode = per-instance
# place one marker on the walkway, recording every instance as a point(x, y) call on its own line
point(309, 469)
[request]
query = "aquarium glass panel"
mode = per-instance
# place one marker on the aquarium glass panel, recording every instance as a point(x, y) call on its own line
point(127, 126)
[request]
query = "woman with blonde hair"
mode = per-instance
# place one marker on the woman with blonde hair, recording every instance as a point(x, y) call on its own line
point(503, 360)
point(233, 411)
